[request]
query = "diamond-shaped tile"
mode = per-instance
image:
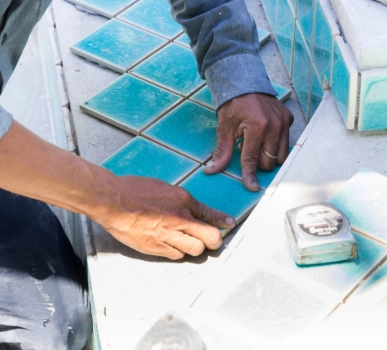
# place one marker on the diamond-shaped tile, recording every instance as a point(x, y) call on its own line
point(130, 103)
point(234, 168)
point(153, 15)
point(183, 40)
point(189, 129)
point(117, 45)
point(284, 31)
point(204, 97)
point(263, 36)
point(223, 193)
point(173, 67)
point(283, 92)
point(141, 157)
point(270, 7)
point(302, 68)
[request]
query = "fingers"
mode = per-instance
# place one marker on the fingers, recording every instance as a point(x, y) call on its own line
point(170, 252)
point(205, 227)
point(250, 158)
point(283, 149)
point(186, 243)
point(270, 153)
point(223, 150)
point(210, 216)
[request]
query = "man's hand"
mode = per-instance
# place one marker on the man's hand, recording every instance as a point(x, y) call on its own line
point(264, 123)
point(146, 214)
point(159, 219)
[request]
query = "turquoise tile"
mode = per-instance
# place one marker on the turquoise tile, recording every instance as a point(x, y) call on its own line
point(305, 17)
point(270, 7)
point(153, 15)
point(117, 45)
point(302, 66)
point(373, 100)
point(263, 36)
point(141, 157)
point(364, 200)
point(204, 97)
point(316, 95)
point(130, 103)
point(323, 45)
point(189, 129)
point(285, 33)
point(183, 40)
point(293, 5)
point(341, 277)
point(103, 7)
point(344, 82)
point(283, 92)
point(173, 67)
point(234, 168)
point(222, 192)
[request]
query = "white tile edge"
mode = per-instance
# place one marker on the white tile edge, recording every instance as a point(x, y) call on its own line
point(353, 84)
point(328, 11)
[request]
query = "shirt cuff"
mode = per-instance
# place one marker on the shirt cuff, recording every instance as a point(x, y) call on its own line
point(235, 76)
point(5, 121)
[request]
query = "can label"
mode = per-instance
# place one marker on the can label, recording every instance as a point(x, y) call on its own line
point(320, 221)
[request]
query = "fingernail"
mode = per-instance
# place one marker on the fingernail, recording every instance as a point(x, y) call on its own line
point(210, 164)
point(254, 183)
point(229, 221)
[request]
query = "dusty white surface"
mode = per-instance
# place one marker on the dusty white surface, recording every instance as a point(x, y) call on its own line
point(316, 173)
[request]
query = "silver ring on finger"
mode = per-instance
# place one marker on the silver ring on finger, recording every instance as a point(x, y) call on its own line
point(268, 154)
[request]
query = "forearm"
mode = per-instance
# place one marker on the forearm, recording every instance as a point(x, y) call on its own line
point(37, 169)
point(225, 42)
point(144, 213)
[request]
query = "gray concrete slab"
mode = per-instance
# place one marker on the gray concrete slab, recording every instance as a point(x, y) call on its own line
point(96, 140)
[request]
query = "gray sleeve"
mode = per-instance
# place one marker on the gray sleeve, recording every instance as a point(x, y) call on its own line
point(5, 121)
point(225, 42)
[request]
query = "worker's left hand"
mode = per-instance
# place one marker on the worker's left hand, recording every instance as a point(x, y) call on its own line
point(263, 122)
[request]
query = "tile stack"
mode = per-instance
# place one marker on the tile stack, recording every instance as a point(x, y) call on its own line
point(350, 59)
point(161, 98)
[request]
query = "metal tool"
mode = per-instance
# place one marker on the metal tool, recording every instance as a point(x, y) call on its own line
point(319, 233)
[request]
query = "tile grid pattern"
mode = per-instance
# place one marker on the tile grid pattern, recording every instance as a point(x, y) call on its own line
point(316, 57)
point(161, 98)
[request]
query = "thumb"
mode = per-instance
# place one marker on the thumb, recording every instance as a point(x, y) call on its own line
point(223, 151)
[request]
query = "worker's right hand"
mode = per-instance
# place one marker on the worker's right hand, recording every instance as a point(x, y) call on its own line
point(155, 218)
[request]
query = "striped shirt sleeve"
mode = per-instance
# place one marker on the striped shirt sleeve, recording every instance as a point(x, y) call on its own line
point(224, 39)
